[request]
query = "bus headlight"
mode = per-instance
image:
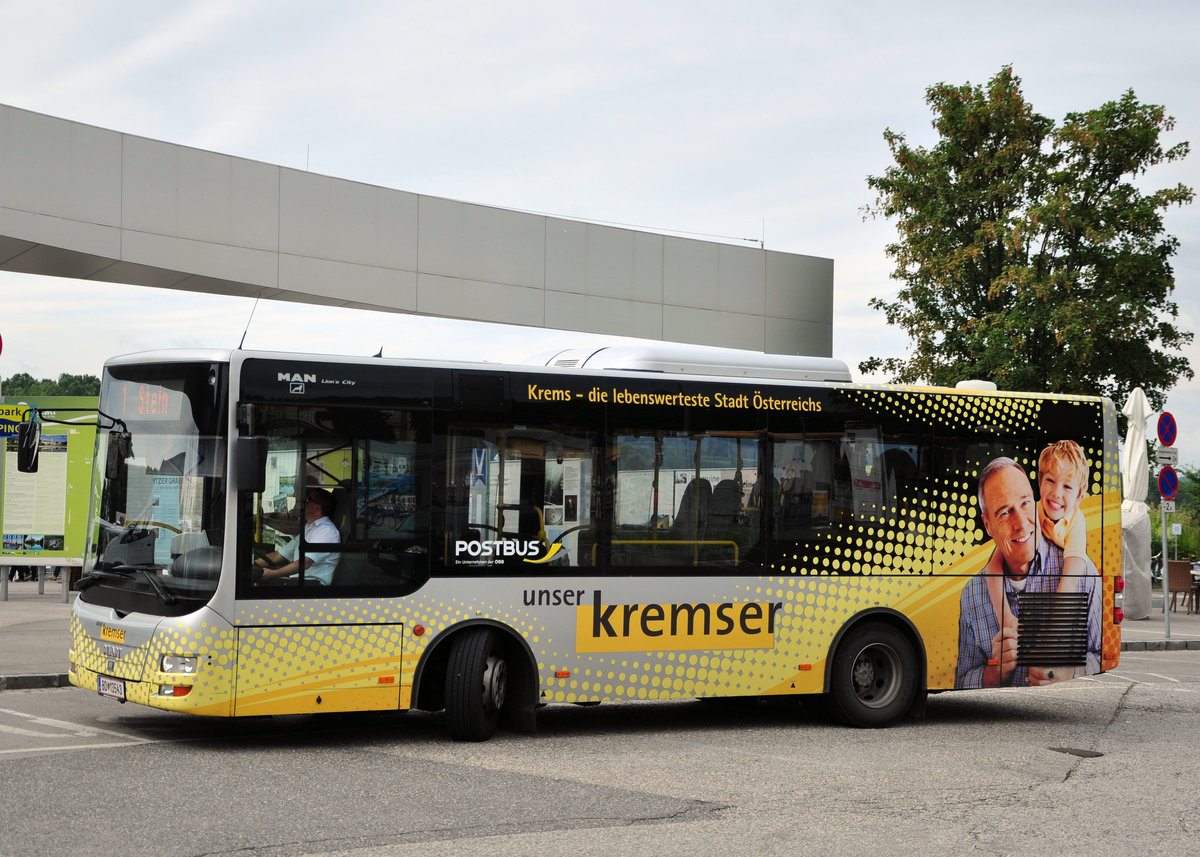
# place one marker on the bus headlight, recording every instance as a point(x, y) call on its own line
point(179, 664)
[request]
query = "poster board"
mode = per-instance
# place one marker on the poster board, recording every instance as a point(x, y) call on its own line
point(43, 515)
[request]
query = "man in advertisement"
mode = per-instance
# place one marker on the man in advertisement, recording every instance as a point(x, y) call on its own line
point(1024, 561)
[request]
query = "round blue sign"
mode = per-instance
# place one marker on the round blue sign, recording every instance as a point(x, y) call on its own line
point(1167, 430)
point(1168, 482)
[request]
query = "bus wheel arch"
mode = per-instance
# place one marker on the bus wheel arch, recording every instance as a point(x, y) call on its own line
point(482, 674)
point(876, 671)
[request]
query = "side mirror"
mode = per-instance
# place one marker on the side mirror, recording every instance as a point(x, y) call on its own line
point(29, 438)
point(250, 464)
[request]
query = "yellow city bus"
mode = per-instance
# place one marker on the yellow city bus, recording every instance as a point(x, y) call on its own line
point(622, 524)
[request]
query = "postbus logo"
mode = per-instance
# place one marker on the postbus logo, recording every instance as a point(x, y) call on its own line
point(528, 550)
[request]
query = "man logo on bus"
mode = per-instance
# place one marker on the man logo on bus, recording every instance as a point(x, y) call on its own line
point(296, 381)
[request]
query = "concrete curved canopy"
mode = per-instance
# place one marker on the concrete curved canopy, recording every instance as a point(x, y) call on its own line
point(94, 204)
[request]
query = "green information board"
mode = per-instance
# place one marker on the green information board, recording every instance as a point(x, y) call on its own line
point(43, 515)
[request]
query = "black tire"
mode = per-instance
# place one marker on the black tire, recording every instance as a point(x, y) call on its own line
point(873, 681)
point(476, 685)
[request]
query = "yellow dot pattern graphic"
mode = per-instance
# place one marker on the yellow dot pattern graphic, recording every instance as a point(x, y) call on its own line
point(1007, 415)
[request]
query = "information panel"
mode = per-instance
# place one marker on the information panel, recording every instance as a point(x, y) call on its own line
point(43, 515)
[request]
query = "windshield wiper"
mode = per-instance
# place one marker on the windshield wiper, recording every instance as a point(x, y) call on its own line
point(104, 571)
point(124, 572)
point(89, 579)
point(163, 595)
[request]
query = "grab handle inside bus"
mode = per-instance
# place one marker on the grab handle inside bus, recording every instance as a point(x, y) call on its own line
point(250, 464)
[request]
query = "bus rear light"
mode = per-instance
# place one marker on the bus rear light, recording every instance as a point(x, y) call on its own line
point(1118, 616)
point(1119, 584)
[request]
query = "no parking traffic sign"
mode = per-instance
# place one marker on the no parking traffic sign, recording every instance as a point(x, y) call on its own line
point(1168, 487)
point(1167, 429)
point(1168, 483)
point(1168, 479)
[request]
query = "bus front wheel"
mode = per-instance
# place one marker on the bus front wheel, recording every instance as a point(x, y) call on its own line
point(874, 677)
point(476, 685)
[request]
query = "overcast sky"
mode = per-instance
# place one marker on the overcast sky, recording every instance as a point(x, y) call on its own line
point(737, 121)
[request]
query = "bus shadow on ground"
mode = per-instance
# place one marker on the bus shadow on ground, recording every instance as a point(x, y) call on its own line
point(785, 712)
point(582, 721)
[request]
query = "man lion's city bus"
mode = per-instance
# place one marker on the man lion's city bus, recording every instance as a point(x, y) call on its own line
point(621, 524)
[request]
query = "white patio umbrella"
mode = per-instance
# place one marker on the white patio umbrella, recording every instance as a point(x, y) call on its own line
point(1135, 515)
point(1135, 467)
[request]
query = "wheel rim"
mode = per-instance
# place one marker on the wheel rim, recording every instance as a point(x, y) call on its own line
point(876, 676)
point(495, 684)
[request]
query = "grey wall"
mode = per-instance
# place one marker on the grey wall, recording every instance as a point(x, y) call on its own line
point(88, 203)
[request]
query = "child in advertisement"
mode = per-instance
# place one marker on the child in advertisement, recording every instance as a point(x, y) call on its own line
point(1062, 484)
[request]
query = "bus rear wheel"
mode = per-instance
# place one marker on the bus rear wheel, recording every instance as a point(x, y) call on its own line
point(874, 677)
point(476, 685)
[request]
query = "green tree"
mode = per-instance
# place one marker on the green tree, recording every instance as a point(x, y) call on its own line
point(24, 384)
point(1027, 254)
point(77, 385)
point(1189, 488)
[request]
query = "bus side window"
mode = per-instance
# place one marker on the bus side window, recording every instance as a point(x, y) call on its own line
point(515, 496)
point(374, 465)
point(900, 477)
point(806, 480)
point(683, 499)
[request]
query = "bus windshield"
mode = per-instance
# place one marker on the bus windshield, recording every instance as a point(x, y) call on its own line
point(159, 492)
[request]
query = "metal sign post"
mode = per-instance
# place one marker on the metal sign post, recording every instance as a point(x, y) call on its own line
point(1168, 486)
point(1166, 578)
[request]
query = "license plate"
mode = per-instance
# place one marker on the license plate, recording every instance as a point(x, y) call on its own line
point(113, 687)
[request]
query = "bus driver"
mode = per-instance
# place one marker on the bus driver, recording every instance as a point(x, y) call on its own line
point(318, 528)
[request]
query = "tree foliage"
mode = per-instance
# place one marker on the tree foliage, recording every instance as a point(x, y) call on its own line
point(24, 384)
point(1027, 252)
